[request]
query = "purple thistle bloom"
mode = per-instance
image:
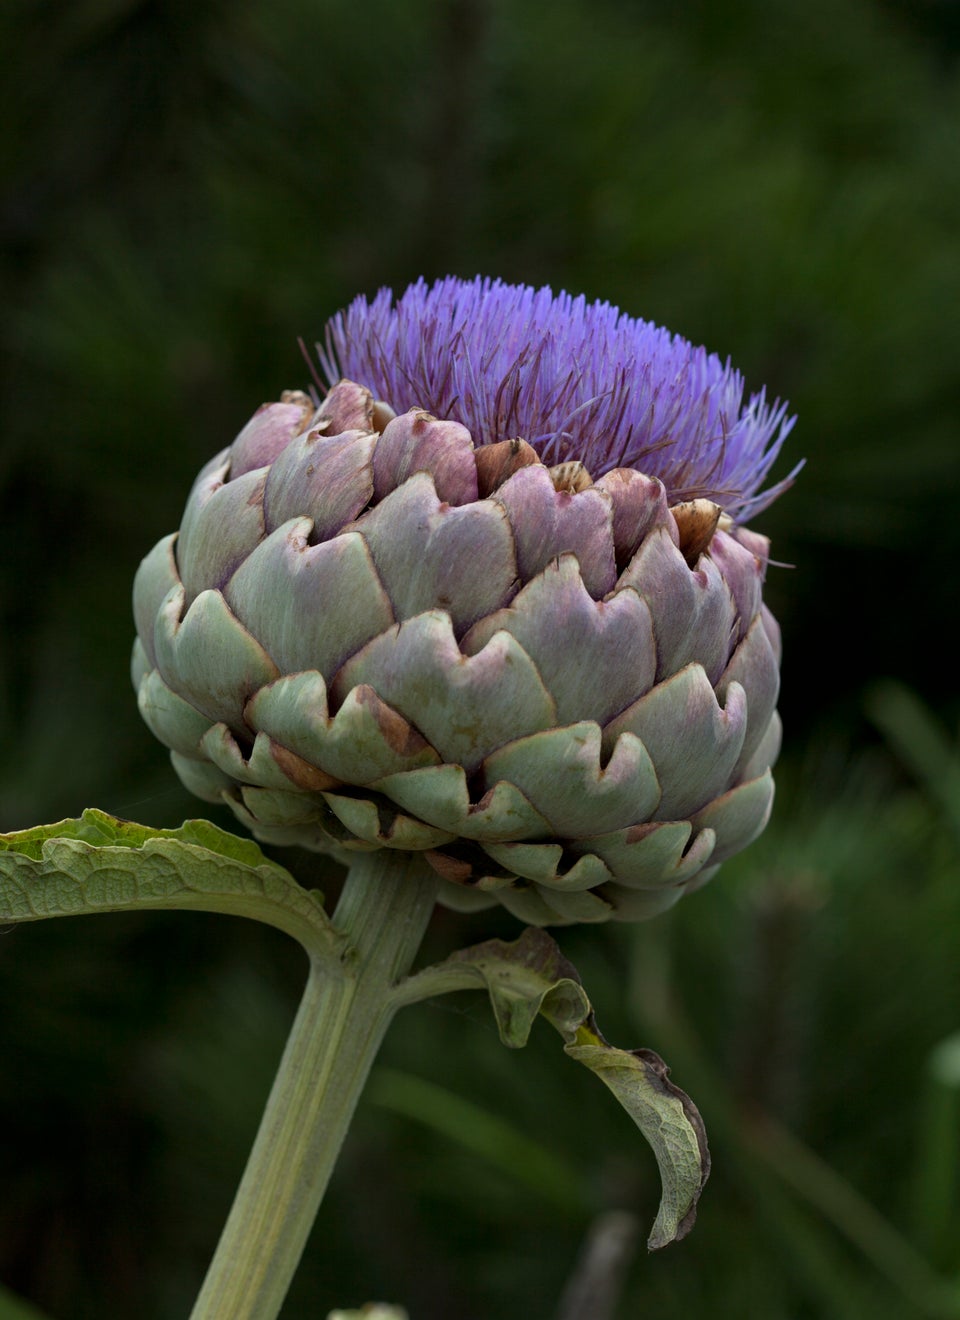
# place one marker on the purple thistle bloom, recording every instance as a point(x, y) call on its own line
point(577, 380)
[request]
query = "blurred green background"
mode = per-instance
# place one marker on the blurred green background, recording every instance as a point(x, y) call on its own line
point(189, 187)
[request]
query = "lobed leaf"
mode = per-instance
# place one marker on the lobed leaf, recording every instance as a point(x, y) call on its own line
point(99, 863)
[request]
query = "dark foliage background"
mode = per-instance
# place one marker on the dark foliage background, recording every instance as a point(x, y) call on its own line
point(186, 189)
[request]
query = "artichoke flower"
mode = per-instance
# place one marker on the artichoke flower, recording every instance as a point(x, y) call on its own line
point(491, 599)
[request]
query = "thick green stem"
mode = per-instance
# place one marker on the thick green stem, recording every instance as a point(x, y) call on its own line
point(383, 912)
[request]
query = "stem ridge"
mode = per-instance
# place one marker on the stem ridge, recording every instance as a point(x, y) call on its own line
point(343, 1016)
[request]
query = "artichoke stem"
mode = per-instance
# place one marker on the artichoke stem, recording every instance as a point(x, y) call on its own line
point(343, 1016)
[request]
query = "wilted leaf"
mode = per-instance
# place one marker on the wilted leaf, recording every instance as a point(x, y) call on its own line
point(530, 977)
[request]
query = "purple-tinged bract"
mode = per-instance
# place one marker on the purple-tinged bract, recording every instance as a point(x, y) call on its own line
point(577, 380)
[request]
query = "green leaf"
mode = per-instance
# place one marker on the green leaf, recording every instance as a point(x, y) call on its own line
point(372, 1311)
point(102, 864)
point(14, 1308)
point(501, 1144)
point(531, 977)
point(920, 742)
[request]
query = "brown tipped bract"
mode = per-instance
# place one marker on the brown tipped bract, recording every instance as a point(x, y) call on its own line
point(370, 633)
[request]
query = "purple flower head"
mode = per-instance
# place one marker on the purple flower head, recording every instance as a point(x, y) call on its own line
point(577, 380)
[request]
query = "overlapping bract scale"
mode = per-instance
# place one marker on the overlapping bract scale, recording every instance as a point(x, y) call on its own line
point(311, 606)
point(543, 689)
point(593, 656)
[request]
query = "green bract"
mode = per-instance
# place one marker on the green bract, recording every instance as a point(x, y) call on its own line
point(371, 633)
